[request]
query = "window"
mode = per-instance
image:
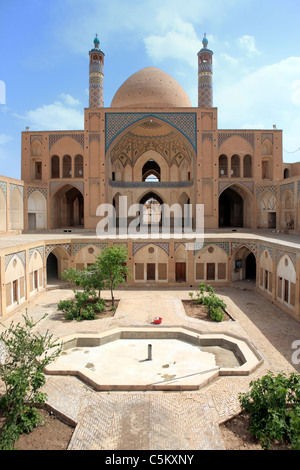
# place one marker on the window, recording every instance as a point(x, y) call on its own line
point(247, 166)
point(67, 169)
point(78, 166)
point(38, 170)
point(235, 166)
point(223, 166)
point(55, 167)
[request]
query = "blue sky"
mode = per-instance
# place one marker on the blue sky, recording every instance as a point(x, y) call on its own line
point(44, 49)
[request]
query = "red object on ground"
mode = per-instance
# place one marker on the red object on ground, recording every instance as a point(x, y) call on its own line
point(157, 320)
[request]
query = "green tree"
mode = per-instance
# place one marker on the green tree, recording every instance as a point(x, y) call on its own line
point(90, 279)
point(23, 357)
point(111, 262)
point(273, 403)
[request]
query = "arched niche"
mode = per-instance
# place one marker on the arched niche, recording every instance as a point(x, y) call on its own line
point(37, 211)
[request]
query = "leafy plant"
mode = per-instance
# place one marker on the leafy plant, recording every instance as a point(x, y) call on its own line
point(206, 296)
point(23, 357)
point(274, 404)
point(108, 271)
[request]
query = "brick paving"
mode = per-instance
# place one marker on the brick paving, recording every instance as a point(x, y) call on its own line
point(163, 420)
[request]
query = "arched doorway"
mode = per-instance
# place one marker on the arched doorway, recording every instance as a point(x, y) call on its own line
point(151, 172)
point(236, 207)
point(152, 214)
point(250, 267)
point(52, 268)
point(231, 209)
point(67, 208)
point(244, 266)
point(57, 261)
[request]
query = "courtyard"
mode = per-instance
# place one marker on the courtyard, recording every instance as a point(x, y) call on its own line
point(162, 420)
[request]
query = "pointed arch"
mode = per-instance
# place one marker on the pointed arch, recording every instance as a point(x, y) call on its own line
point(16, 210)
point(37, 211)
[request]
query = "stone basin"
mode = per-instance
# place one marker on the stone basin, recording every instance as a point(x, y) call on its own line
point(180, 359)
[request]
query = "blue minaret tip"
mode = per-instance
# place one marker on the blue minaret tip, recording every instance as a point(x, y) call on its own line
point(96, 42)
point(205, 41)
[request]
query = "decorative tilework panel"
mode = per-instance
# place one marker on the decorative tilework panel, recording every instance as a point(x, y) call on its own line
point(249, 137)
point(283, 187)
point(53, 138)
point(94, 137)
point(207, 135)
point(118, 122)
point(50, 248)
point(3, 186)
point(265, 247)
point(79, 246)
point(252, 247)
point(19, 254)
point(13, 186)
point(31, 189)
point(40, 249)
point(138, 245)
point(292, 256)
point(262, 189)
point(223, 245)
point(36, 137)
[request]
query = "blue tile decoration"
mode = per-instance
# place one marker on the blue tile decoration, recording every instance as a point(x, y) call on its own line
point(251, 246)
point(19, 254)
point(249, 137)
point(118, 122)
point(79, 246)
point(281, 253)
point(136, 246)
point(263, 248)
point(40, 249)
point(3, 186)
point(223, 245)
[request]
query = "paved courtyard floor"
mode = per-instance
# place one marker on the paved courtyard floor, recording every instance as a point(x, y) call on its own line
point(162, 420)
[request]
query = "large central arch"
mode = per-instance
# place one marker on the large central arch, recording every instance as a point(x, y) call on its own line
point(67, 208)
point(235, 207)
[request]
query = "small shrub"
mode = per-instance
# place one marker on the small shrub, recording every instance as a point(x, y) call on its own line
point(274, 404)
point(23, 357)
point(216, 314)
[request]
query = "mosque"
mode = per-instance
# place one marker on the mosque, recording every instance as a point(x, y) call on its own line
point(152, 147)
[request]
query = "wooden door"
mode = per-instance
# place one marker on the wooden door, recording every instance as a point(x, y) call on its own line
point(180, 272)
point(210, 271)
point(150, 271)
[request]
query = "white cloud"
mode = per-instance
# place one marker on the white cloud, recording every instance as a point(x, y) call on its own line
point(247, 43)
point(69, 100)
point(180, 44)
point(60, 115)
point(270, 95)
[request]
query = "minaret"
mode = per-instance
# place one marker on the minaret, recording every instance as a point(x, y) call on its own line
point(96, 76)
point(205, 76)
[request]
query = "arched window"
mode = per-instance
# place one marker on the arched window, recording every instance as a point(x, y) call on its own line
point(55, 167)
point(78, 166)
point(223, 166)
point(67, 167)
point(247, 166)
point(286, 173)
point(151, 172)
point(235, 166)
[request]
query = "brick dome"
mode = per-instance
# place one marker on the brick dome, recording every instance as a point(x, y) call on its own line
point(151, 87)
